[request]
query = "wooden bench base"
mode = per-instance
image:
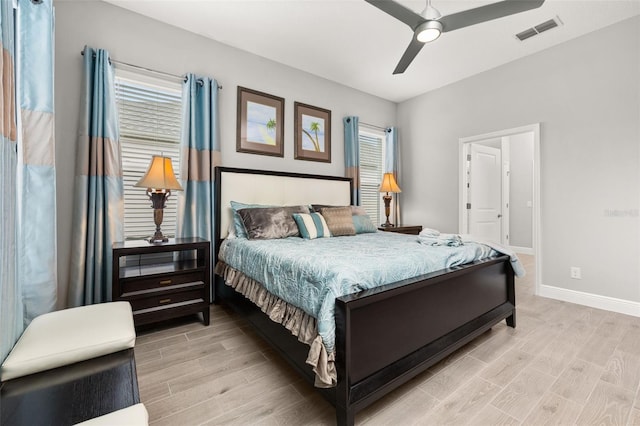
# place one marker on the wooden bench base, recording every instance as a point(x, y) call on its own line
point(71, 394)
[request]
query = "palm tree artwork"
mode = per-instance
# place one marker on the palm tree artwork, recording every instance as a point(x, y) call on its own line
point(261, 123)
point(271, 125)
point(317, 138)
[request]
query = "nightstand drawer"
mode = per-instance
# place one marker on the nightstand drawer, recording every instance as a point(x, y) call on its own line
point(166, 299)
point(130, 285)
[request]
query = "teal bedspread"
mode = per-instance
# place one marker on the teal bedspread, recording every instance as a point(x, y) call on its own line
point(311, 274)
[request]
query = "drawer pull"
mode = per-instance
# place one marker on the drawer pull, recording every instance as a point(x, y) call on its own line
point(165, 282)
point(165, 301)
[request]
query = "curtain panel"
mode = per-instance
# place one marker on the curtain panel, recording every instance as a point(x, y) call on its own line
point(37, 260)
point(199, 154)
point(352, 155)
point(28, 275)
point(392, 165)
point(98, 210)
point(11, 312)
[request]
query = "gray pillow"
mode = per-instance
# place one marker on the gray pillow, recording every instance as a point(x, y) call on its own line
point(271, 222)
point(237, 220)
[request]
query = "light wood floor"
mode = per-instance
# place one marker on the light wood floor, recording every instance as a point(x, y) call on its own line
point(563, 364)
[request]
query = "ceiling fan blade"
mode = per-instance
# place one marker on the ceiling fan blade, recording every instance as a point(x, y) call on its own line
point(414, 47)
point(487, 13)
point(398, 11)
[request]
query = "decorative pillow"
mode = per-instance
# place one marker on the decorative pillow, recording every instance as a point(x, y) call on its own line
point(355, 210)
point(339, 220)
point(311, 226)
point(363, 224)
point(237, 220)
point(358, 211)
point(271, 222)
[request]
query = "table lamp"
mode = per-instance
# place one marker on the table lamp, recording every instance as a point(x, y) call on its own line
point(159, 181)
point(388, 185)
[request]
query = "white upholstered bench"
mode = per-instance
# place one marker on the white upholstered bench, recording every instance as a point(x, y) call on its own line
point(68, 336)
point(69, 351)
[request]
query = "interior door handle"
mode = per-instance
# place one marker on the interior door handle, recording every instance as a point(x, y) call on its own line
point(499, 216)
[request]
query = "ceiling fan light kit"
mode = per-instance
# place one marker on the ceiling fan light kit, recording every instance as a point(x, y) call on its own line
point(428, 26)
point(428, 31)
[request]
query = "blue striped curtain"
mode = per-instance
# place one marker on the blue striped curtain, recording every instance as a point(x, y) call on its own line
point(352, 155)
point(11, 312)
point(28, 276)
point(392, 165)
point(37, 260)
point(200, 153)
point(98, 210)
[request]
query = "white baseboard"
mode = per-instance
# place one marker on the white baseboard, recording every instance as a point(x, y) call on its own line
point(522, 250)
point(621, 306)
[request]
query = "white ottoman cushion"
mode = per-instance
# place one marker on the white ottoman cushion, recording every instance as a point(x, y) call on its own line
point(70, 335)
point(130, 416)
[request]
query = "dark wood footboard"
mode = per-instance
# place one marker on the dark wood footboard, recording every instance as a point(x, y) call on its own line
point(388, 335)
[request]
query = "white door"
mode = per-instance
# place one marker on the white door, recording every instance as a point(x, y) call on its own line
point(485, 193)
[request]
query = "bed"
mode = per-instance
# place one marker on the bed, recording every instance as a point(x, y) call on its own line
point(417, 320)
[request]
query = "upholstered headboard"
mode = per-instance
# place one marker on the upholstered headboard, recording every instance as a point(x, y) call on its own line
point(274, 188)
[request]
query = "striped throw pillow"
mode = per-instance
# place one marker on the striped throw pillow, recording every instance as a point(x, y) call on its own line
point(311, 226)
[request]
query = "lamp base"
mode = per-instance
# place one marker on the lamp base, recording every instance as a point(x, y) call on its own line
point(158, 200)
point(387, 224)
point(387, 210)
point(157, 238)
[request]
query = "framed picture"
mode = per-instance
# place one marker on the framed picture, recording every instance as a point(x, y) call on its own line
point(260, 123)
point(312, 133)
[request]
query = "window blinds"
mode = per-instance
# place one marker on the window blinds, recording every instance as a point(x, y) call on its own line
point(150, 124)
point(371, 163)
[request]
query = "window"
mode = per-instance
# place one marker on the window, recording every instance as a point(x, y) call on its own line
point(149, 114)
point(371, 171)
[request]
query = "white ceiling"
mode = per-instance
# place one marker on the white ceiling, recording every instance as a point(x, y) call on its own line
point(354, 43)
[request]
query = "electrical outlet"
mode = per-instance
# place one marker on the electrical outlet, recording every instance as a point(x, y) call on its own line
point(576, 273)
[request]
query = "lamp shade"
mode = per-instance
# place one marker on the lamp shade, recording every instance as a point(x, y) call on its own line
point(389, 183)
point(160, 175)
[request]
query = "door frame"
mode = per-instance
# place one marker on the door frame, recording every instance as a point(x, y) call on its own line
point(463, 150)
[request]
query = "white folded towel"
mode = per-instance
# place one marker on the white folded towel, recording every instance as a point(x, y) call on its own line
point(451, 240)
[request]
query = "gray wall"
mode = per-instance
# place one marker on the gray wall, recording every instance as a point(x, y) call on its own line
point(138, 40)
point(586, 95)
point(521, 190)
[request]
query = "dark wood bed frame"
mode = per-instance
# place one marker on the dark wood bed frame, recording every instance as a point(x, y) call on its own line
point(388, 335)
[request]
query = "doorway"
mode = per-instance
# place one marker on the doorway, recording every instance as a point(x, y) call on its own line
point(497, 201)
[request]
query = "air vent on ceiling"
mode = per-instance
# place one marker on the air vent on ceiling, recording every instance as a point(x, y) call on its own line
point(540, 28)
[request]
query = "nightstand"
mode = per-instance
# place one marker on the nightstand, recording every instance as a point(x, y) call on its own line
point(163, 281)
point(402, 229)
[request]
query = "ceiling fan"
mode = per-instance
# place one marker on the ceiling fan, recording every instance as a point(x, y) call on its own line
point(428, 25)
